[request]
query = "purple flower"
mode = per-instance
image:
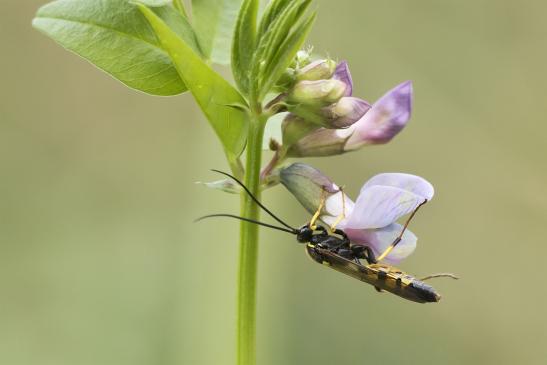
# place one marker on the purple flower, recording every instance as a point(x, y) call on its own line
point(387, 117)
point(346, 112)
point(372, 219)
point(342, 73)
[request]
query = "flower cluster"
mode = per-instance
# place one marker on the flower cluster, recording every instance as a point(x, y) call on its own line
point(321, 96)
point(385, 119)
point(325, 119)
point(372, 219)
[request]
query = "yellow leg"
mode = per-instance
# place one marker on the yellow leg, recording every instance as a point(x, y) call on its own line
point(385, 253)
point(341, 216)
point(318, 212)
point(400, 237)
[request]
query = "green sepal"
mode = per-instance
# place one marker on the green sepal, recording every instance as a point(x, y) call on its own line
point(286, 53)
point(244, 44)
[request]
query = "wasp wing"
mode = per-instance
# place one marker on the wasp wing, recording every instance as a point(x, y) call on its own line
point(383, 277)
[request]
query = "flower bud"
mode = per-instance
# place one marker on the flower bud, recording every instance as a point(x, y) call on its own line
point(387, 117)
point(343, 114)
point(317, 70)
point(309, 186)
point(320, 92)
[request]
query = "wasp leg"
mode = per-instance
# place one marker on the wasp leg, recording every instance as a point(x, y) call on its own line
point(400, 236)
point(341, 233)
point(321, 229)
point(369, 255)
point(364, 252)
point(345, 253)
point(341, 216)
point(318, 212)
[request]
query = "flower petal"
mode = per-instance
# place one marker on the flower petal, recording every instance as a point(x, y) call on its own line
point(308, 185)
point(346, 112)
point(380, 239)
point(408, 182)
point(337, 205)
point(379, 206)
point(387, 117)
point(342, 73)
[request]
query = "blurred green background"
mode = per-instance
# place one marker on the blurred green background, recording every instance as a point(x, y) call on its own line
point(100, 262)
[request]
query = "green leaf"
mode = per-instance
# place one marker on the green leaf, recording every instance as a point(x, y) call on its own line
point(180, 7)
point(286, 53)
point(114, 36)
point(220, 101)
point(153, 3)
point(244, 43)
point(214, 22)
point(278, 41)
point(272, 11)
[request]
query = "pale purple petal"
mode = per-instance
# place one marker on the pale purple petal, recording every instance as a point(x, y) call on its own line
point(412, 183)
point(342, 73)
point(337, 205)
point(380, 239)
point(346, 112)
point(379, 206)
point(387, 117)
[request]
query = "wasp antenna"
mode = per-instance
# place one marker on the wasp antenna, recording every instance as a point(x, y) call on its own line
point(255, 199)
point(292, 231)
point(441, 275)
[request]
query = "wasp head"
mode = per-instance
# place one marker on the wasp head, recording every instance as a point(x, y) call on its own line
point(304, 234)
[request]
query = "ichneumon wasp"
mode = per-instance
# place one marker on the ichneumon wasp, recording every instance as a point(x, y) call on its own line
point(333, 248)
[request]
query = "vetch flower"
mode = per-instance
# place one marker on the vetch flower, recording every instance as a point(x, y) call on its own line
point(387, 117)
point(370, 221)
point(321, 95)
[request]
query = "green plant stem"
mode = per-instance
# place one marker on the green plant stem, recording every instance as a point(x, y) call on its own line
point(248, 246)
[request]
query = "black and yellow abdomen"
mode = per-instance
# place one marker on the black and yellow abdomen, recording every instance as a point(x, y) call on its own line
point(381, 276)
